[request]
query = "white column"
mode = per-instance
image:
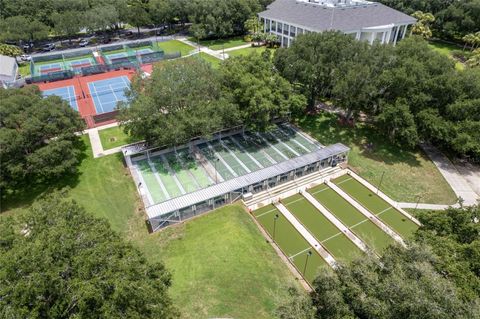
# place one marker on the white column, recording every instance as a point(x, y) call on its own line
point(404, 31)
point(396, 35)
point(264, 26)
point(384, 33)
point(288, 35)
point(388, 35)
point(372, 37)
point(357, 36)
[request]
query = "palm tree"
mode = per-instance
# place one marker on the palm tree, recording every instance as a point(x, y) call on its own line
point(253, 25)
point(422, 27)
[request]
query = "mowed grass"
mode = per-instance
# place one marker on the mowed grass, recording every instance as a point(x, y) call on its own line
point(246, 51)
point(377, 206)
point(407, 173)
point(214, 62)
point(332, 238)
point(366, 230)
point(24, 69)
point(114, 137)
point(173, 46)
point(219, 44)
point(221, 264)
point(447, 49)
point(290, 241)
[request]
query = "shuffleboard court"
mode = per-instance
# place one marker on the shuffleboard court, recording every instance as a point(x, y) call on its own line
point(290, 241)
point(321, 228)
point(376, 205)
point(287, 140)
point(262, 144)
point(167, 179)
point(299, 138)
point(222, 170)
point(231, 161)
point(188, 183)
point(365, 229)
point(194, 168)
point(242, 156)
point(252, 148)
point(67, 93)
point(107, 93)
point(151, 182)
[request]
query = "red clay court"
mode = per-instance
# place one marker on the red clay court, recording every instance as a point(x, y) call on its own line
point(92, 95)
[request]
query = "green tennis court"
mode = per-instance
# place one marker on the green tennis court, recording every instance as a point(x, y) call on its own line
point(377, 206)
point(321, 228)
point(365, 229)
point(290, 241)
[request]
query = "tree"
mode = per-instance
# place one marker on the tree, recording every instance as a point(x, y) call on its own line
point(137, 13)
point(398, 123)
point(253, 25)
point(101, 18)
point(402, 284)
point(182, 99)
point(10, 50)
point(311, 62)
point(422, 26)
point(261, 94)
point(474, 60)
point(57, 261)
point(20, 28)
point(68, 23)
point(37, 138)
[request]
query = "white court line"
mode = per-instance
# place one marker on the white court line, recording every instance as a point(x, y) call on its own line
point(366, 219)
point(343, 181)
point(327, 188)
point(90, 86)
point(299, 253)
point(383, 211)
point(267, 212)
point(292, 202)
point(331, 237)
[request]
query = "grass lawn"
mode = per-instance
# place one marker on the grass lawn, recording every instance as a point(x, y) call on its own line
point(24, 69)
point(173, 46)
point(221, 265)
point(214, 62)
point(377, 206)
point(407, 173)
point(447, 49)
point(113, 137)
point(220, 44)
point(246, 51)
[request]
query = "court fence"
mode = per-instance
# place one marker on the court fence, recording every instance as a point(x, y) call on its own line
point(60, 58)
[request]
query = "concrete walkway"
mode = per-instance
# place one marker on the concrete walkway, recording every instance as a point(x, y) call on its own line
point(204, 49)
point(243, 46)
point(453, 177)
point(97, 147)
point(306, 234)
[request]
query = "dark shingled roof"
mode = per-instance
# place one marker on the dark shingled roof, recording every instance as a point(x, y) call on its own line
point(319, 18)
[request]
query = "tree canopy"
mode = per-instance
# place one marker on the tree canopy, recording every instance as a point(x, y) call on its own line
point(182, 99)
point(57, 261)
point(408, 90)
point(37, 137)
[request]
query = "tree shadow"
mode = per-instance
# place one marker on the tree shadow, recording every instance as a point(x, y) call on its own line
point(371, 144)
point(25, 195)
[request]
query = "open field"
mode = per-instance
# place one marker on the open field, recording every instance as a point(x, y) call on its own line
point(214, 62)
point(246, 51)
point(114, 137)
point(24, 69)
point(377, 206)
point(219, 44)
point(407, 173)
point(216, 260)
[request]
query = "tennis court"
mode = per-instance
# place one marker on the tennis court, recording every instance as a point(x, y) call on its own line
point(360, 225)
point(114, 56)
point(67, 93)
point(50, 67)
point(299, 252)
point(107, 93)
point(321, 228)
point(79, 63)
point(377, 206)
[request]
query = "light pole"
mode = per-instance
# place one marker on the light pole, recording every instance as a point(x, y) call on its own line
point(309, 253)
point(216, 174)
point(381, 180)
point(416, 204)
point(274, 225)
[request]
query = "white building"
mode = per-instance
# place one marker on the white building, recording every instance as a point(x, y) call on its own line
point(8, 70)
point(364, 20)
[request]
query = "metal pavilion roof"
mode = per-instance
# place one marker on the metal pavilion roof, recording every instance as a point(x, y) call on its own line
point(246, 180)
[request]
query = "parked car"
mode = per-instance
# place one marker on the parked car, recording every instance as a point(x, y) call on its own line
point(27, 46)
point(25, 57)
point(48, 47)
point(84, 43)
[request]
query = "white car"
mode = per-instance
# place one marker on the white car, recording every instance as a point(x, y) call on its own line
point(83, 43)
point(25, 57)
